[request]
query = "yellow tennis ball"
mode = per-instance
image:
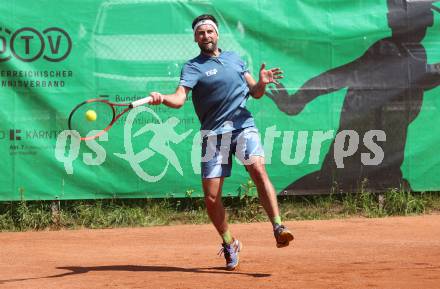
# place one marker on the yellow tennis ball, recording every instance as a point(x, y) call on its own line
point(91, 115)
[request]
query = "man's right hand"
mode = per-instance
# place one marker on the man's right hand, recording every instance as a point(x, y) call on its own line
point(157, 98)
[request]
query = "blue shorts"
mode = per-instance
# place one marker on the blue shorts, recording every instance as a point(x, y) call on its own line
point(217, 151)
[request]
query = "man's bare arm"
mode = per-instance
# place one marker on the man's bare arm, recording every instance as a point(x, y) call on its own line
point(175, 100)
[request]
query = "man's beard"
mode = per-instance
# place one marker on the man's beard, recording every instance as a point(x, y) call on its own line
point(208, 47)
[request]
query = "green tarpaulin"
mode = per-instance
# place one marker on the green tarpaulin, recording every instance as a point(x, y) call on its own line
point(359, 104)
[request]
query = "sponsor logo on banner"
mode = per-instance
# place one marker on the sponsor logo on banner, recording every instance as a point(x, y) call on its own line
point(28, 44)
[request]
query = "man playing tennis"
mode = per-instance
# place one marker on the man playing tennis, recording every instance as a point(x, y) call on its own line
point(221, 84)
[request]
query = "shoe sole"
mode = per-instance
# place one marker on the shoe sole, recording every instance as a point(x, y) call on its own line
point(286, 237)
point(238, 259)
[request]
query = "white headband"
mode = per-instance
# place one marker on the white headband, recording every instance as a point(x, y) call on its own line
point(205, 22)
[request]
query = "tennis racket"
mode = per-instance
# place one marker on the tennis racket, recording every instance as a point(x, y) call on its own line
point(99, 115)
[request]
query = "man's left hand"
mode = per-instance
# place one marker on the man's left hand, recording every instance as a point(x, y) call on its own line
point(269, 75)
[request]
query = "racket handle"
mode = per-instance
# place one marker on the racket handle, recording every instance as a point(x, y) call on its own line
point(141, 101)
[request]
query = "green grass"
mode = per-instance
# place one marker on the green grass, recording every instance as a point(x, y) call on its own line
point(37, 215)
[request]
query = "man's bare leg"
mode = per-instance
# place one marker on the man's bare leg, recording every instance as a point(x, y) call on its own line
point(214, 205)
point(268, 200)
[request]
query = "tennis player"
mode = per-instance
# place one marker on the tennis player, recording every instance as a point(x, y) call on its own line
point(221, 84)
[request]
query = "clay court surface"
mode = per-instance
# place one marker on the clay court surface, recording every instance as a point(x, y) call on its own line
point(402, 252)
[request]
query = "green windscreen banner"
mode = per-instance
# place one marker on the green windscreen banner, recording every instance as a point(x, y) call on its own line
point(358, 105)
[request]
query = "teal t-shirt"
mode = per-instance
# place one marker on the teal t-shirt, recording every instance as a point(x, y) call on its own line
point(219, 91)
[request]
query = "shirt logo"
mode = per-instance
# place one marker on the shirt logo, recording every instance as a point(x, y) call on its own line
point(211, 72)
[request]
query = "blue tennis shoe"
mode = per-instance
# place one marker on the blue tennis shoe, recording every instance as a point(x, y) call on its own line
point(283, 236)
point(231, 252)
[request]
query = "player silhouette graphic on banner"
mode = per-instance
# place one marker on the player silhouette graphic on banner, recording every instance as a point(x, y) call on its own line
point(385, 88)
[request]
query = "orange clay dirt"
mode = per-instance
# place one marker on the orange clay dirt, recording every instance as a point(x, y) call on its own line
point(401, 252)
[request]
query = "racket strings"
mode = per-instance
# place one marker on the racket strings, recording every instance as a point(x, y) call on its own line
point(91, 118)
